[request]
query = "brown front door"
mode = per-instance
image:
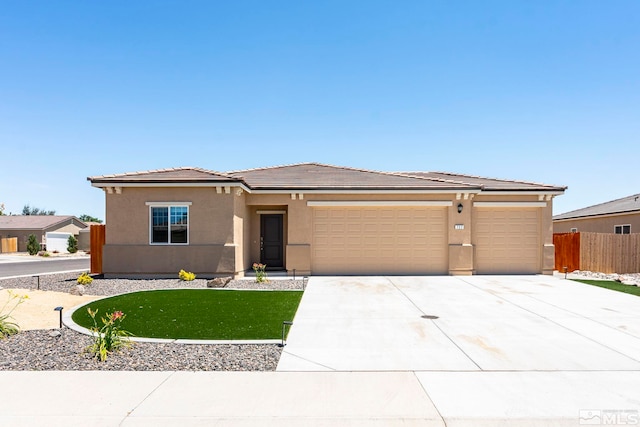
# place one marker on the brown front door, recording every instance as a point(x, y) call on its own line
point(271, 241)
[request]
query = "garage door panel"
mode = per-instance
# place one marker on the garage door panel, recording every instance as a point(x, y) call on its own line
point(380, 240)
point(507, 240)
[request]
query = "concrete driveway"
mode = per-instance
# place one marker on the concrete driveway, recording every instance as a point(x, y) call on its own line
point(485, 323)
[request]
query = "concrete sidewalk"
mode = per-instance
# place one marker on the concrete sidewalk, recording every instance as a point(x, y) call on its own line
point(317, 398)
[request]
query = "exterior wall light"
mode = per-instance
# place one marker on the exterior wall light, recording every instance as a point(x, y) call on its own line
point(460, 207)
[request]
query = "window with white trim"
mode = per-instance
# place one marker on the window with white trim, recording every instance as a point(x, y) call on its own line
point(574, 230)
point(622, 229)
point(169, 225)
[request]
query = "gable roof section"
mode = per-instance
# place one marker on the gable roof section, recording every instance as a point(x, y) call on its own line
point(489, 184)
point(624, 205)
point(317, 176)
point(36, 222)
point(320, 177)
point(174, 175)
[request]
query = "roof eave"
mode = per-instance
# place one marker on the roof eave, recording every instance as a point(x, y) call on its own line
point(157, 183)
point(351, 190)
point(511, 192)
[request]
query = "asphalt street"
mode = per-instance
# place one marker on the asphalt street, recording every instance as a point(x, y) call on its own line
point(10, 266)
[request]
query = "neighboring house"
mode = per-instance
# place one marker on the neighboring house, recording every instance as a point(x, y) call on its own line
point(324, 220)
point(620, 216)
point(21, 226)
point(84, 237)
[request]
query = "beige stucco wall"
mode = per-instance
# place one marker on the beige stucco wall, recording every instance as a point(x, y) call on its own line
point(299, 225)
point(603, 224)
point(211, 215)
point(215, 223)
point(224, 230)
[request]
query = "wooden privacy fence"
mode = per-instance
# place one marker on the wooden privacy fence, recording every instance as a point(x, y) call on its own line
point(9, 245)
point(97, 236)
point(567, 248)
point(602, 252)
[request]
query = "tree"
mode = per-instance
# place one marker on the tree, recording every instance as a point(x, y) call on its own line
point(72, 245)
point(89, 218)
point(33, 247)
point(28, 210)
point(1, 209)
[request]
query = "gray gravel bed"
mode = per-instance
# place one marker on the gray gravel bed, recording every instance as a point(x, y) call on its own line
point(39, 351)
point(46, 350)
point(627, 278)
point(108, 287)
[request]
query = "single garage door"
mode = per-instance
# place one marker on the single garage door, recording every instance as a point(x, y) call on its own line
point(507, 240)
point(379, 240)
point(57, 242)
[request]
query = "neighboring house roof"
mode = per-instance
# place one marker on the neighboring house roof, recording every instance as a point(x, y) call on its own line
point(624, 205)
point(36, 222)
point(317, 176)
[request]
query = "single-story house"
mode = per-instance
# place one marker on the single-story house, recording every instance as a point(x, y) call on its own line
point(620, 216)
point(21, 226)
point(323, 220)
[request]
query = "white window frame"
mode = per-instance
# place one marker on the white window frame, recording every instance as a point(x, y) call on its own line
point(622, 226)
point(574, 229)
point(168, 205)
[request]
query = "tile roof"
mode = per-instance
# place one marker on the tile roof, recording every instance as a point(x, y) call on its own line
point(313, 176)
point(490, 184)
point(33, 222)
point(625, 204)
point(318, 176)
point(183, 174)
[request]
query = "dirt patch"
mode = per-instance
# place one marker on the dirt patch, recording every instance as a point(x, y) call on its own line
point(37, 312)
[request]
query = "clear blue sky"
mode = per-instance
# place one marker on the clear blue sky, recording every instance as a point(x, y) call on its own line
point(546, 91)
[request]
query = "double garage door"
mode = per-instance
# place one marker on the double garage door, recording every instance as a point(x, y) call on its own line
point(507, 240)
point(380, 240)
point(414, 240)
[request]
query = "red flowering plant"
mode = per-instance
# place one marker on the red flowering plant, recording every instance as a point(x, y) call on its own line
point(261, 275)
point(110, 337)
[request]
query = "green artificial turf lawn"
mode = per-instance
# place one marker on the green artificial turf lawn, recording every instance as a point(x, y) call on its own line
point(210, 314)
point(633, 290)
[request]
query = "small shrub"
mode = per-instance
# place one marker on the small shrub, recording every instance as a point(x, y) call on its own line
point(72, 244)
point(8, 327)
point(108, 338)
point(33, 247)
point(261, 274)
point(84, 279)
point(46, 254)
point(55, 251)
point(186, 276)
